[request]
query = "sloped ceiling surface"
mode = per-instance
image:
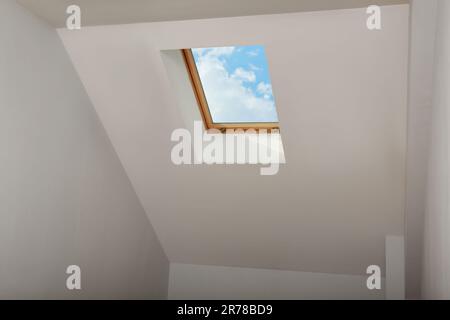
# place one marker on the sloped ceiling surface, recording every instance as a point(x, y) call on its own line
point(341, 96)
point(101, 12)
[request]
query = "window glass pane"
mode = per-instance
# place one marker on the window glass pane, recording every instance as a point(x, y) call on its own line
point(236, 84)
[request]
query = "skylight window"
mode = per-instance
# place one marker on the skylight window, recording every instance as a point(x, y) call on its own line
point(233, 87)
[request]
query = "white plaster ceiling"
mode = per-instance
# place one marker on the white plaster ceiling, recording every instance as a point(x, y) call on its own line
point(340, 91)
point(102, 12)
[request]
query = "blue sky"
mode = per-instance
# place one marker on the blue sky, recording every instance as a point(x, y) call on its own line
point(236, 83)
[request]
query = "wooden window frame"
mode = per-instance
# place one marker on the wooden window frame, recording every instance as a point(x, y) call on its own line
point(203, 103)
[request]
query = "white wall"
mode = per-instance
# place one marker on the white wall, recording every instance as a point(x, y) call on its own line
point(120, 12)
point(395, 268)
point(214, 282)
point(422, 37)
point(64, 196)
point(436, 267)
point(340, 91)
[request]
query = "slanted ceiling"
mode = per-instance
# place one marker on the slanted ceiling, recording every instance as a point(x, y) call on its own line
point(103, 12)
point(340, 91)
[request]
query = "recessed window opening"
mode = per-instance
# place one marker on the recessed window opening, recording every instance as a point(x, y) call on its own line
point(233, 87)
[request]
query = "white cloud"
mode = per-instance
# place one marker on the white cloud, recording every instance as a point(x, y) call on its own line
point(229, 99)
point(253, 53)
point(244, 75)
point(254, 68)
point(265, 89)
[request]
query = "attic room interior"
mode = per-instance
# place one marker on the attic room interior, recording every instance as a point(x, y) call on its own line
point(224, 150)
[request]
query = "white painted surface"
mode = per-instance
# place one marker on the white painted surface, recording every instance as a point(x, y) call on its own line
point(64, 196)
point(436, 268)
point(181, 86)
point(395, 268)
point(101, 12)
point(214, 282)
point(340, 91)
point(422, 40)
